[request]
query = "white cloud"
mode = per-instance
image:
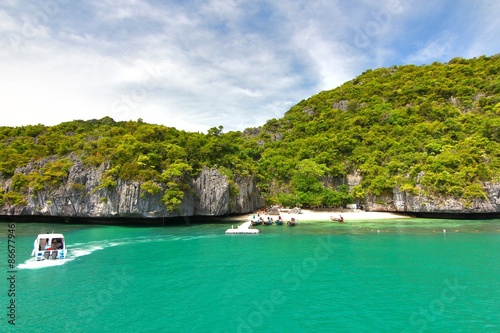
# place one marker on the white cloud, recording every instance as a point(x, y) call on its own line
point(434, 50)
point(195, 66)
point(486, 28)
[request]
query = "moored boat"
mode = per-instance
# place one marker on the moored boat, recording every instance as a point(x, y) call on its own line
point(269, 221)
point(257, 221)
point(337, 219)
point(49, 246)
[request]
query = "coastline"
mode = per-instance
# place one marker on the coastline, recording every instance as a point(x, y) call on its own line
point(308, 216)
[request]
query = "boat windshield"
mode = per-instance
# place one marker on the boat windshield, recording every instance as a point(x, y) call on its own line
point(51, 244)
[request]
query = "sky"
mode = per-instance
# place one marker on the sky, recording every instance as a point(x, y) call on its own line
point(194, 65)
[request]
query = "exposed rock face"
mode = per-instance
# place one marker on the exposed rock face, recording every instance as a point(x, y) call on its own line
point(210, 194)
point(400, 201)
point(410, 203)
point(212, 189)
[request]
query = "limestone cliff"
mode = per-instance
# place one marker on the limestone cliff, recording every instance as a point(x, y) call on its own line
point(210, 194)
point(411, 203)
point(400, 201)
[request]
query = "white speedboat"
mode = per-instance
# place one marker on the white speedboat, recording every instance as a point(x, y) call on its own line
point(49, 246)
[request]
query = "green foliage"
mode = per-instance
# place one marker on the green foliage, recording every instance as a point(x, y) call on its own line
point(307, 176)
point(19, 182)
point(287, 200)
point(173, 199)
point(431, 130)
point(436, 126)
point(177, 171)
point(153, 155)
point(107, 182)
point(13, 198)
point(474, 191)
point(150, 187)
point(78, 187)
point(55, 173)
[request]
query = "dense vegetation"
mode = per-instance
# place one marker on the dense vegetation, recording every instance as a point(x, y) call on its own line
point(430, 130)
point(151, 154)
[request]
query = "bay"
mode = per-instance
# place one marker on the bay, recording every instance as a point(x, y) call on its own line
point(411, 275)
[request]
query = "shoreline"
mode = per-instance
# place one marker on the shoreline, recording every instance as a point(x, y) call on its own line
point(311, 216)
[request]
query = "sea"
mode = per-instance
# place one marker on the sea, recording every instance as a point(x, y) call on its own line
point(397, 275)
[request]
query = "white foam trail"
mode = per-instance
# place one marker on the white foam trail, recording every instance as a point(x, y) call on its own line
point(73, 253)
point(35, 264)
point(78, 250)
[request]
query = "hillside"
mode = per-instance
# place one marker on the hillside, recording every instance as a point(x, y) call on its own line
point(406, 138)
point(102, 168)
point(430, 132)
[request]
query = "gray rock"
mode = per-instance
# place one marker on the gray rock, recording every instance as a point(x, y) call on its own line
point(210, 194)
point(410, 203)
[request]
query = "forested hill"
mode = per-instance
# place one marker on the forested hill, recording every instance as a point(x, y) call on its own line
point(99, 167)
point(424, 132)
point(405, 138)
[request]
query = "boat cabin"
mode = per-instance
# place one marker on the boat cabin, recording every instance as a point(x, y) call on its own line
point(49, 246)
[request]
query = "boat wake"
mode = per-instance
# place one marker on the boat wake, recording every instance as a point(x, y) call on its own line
point(35, 264)
point(78, 250)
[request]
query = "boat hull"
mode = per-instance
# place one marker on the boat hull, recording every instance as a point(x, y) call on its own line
point(50, 254)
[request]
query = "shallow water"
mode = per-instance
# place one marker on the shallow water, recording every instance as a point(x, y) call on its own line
point(410, 275)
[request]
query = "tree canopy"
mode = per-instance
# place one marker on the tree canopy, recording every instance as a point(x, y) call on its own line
point(435, 125)
point(431, 129)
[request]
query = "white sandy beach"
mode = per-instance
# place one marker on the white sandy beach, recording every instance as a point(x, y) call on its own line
point(307, 215)
point(312, 216)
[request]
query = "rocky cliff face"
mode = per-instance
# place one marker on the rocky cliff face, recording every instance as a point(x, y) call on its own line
point(399, 201)
point(210, 194)
point(403, 202)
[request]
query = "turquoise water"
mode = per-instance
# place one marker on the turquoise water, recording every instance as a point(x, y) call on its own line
point(364, 276)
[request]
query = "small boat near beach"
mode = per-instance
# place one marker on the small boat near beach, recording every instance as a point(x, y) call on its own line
point(340, 218)
point(257, 221)
point(49, 246)
point(269, 221)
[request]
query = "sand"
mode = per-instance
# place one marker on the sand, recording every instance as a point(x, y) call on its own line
point(311, 216)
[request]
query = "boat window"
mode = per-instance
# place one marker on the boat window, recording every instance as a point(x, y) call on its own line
point(43, 243)
point(57, 244)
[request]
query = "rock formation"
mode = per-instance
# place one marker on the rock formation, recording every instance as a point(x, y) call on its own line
point(210, 194)
point(410, 203)
point(403, 202)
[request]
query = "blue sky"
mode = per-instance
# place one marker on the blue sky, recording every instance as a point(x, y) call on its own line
point(195, 64)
